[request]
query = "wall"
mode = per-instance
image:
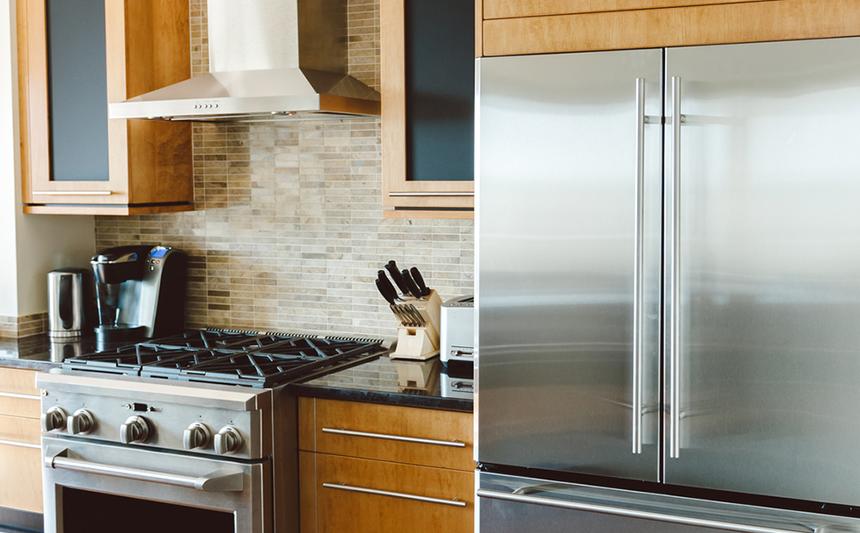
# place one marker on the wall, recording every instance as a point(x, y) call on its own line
point(289, 232)
point(30, 245)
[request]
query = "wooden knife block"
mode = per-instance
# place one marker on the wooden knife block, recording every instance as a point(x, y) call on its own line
point(421, 343)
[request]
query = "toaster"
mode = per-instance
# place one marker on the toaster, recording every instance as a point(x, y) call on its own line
point(457, 338)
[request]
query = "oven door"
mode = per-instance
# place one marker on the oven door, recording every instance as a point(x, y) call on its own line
point(100, 488)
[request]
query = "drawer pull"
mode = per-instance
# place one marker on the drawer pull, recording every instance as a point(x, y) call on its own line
point(424, 194)
point(19, 396)
point(17, 444)
point(400, 438)
point(72, 193)
point(402, 495)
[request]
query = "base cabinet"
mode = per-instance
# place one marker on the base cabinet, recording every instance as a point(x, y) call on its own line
point(20, 454)
point(369, 468)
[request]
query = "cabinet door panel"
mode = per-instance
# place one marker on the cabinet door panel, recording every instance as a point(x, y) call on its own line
point(23, 464)
point(495, 9)
point(342, 501)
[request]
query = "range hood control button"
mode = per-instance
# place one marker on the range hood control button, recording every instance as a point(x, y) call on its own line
point(53, 418)
point(196, 435)
point(81, 422)
point(135, 430)
point(228, 440)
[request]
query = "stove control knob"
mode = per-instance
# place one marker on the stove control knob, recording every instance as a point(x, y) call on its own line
point(53, 418)
point(196, 435)
point(228, 440)
point(135, 430)
point(80, 422)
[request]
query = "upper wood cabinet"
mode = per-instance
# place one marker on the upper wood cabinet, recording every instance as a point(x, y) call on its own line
point(513, 27)
point(74, 58)
point(428, 80)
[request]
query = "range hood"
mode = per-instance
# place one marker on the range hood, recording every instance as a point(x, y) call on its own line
point(268, 60)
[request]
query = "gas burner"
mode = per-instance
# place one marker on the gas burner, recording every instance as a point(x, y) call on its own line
point(247, 358)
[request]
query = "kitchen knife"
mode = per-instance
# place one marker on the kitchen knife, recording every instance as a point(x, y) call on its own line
point(419, 280)
point(410, 284)
point(386, 290)
point(391, 267)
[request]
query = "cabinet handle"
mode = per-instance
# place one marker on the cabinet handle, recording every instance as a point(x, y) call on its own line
point(385, 436)
point(17, 444)
point(465, 194)
point(72, 193)
point(19, 396)
point(402, 495)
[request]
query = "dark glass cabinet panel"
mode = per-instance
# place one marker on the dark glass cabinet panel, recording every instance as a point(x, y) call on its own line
point(440, 89)
point(77, 81)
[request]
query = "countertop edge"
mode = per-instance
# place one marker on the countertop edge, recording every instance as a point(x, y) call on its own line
point(386, 398)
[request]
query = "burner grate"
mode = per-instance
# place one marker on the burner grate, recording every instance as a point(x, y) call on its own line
point(248, 358)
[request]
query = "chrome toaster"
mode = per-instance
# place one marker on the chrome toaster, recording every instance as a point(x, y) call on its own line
point(457, 342)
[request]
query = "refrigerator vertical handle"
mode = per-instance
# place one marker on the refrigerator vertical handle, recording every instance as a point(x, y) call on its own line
point(638, 265)
point(675, 277)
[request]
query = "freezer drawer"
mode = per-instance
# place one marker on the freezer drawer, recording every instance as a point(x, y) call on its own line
point(569, 261)
point(508, 504)
point(763, 293)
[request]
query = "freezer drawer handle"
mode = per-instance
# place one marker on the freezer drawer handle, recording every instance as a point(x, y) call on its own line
point(633, 513)
point(214, 482)
point(402, 495)
point(385, 436)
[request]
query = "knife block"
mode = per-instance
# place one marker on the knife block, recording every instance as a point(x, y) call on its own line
point(420, 342)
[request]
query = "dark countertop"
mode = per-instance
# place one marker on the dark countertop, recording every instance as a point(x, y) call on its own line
point(39, 352)
point(390, 381)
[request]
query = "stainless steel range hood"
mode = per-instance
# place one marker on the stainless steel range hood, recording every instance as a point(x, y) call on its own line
point(268, 60)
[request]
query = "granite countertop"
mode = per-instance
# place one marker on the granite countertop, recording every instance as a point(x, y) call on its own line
point(389, 381)
point(39, 352)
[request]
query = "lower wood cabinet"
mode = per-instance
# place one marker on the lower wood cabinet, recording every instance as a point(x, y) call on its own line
point(383, 469)
point(20, 454)
point(362, 495)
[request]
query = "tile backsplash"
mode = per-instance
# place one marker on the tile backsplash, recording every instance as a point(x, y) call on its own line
point(288, 233)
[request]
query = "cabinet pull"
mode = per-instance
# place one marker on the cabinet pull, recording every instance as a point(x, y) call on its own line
point(17, 444)
point(402, 495)
point(72, 193)
point(19, 396)
point(385, 436)
point(465, 194)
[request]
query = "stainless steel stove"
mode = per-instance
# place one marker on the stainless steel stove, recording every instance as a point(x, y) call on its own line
point(195, 429)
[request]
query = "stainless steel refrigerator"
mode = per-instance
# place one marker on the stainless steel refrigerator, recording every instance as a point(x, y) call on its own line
point(668, 289)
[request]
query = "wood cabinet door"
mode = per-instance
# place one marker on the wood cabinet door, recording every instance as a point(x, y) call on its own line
point(427, 85)
point(497, 9)
point(365, 496)
point(714, 22)
point(63, 97)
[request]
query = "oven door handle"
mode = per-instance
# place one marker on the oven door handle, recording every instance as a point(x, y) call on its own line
point(218, 481)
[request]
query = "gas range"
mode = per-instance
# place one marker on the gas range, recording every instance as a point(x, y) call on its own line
point(198, 419)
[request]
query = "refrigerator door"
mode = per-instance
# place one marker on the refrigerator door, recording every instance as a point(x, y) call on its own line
point(569, 214)
point(508, 504)
point(763, 264)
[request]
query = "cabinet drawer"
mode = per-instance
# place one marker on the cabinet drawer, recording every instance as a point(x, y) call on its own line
point(18, 381)
point(20, 430)
point(401, 434)
point(360, 495)
point(496, 9)
point(19, 406)
point(23, 464)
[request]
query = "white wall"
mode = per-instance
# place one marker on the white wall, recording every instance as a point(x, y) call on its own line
point(30, 245)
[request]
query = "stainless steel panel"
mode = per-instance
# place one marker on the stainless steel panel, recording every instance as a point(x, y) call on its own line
point(564, 160)
point(251, 505)
point(768, 292)
point(508, 504)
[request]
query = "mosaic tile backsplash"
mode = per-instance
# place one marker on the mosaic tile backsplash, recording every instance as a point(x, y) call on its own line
point(288, 233)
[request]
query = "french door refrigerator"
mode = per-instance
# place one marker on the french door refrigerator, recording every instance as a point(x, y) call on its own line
point(668, 288)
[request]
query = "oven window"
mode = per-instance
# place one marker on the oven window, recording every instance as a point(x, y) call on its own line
point(93, 512)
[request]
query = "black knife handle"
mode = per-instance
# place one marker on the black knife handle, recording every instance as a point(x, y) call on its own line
point(419, 280)
point(391, 267)
point(410, 284)
point(385, 291)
